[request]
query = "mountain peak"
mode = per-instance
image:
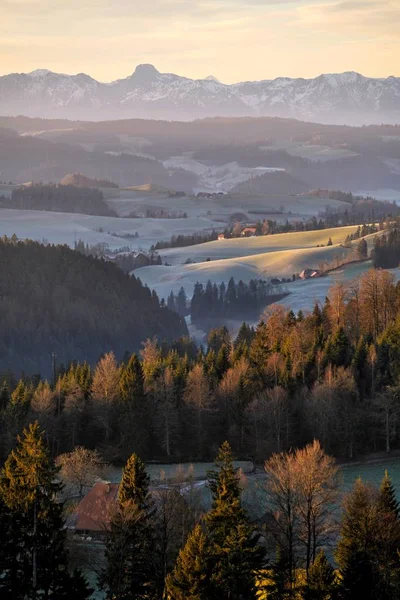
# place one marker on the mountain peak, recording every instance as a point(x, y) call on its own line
point(212, 78)
point(40, 73)
point(145, 72)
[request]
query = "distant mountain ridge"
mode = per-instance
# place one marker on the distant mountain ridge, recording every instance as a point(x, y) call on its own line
point(348, 98)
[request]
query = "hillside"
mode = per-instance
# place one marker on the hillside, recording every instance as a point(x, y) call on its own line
point(263, 257)
point(56, 300)
point(242, 247)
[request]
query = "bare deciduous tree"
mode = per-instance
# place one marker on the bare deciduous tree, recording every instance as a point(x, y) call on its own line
point(80, 468)
point(302, 488)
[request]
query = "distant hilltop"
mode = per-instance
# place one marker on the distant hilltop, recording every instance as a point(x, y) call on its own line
point(81, 180)
point(344, 98)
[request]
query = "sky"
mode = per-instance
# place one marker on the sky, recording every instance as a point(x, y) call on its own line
point(234, 40)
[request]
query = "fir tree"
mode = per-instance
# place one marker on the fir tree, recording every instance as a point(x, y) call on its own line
point(28, 490)
point(131, 565)
point(236, 554)
point(191, 576)
point(358, 578)
point(388, 503)
point(132, 381)
point(134, 486)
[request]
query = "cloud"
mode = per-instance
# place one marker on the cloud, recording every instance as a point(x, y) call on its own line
point(234, 39)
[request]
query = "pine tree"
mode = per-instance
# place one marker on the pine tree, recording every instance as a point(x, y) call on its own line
point(190, 578)
point(236, 554)
point(321, 582)
point(131, 565)
point(28, 490)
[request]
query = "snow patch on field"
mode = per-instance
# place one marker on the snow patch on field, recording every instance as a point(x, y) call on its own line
point(66, 228)
point(221, 178)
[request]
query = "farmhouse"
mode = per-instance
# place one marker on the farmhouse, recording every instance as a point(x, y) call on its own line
point(93, 515)
point(94, 512)
point(249, 232)
point(310, 273)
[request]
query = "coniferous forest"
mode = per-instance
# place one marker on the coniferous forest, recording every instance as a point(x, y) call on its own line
point(55, 300)
point(59, 198)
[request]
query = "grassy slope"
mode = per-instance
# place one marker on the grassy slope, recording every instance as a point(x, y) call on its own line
point(242, 247)
point(260, 257)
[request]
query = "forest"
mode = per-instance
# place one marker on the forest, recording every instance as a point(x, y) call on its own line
point(232, 301)
point(331, 375)
point(56, 300)
point(58, 198)
point(386, 251)
point(159, 542)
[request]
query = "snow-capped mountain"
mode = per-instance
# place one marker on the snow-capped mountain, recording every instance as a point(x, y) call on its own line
point(335, 98)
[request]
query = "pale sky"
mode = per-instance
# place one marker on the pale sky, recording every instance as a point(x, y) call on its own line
point(234, 40)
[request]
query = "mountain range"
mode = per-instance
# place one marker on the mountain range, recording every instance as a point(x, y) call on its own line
point(346, 98)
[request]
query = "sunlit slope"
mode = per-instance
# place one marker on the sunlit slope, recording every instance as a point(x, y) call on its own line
point(270, 264)
point(241, 247)
point(273, 263)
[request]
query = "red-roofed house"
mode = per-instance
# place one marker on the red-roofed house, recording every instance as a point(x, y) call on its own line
point(93, 513)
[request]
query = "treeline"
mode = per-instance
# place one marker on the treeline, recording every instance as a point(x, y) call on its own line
point(340, 195)
point(55, 300)
point(327, 220)
point(332, 375)
point(236, 300)
point(161, 213)
point(59, 198)
point(181, 240)
point(361, 232)
point(386, 253)
point(161, 543)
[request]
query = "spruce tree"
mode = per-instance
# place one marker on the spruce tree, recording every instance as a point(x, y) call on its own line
point(131, 556)
point(236, 554)
point(191, 575)
point(357, 552)
point(321, 582)
point(134, 486)
point(277, 583)
point(132, 382)
point(358, 577)
point(388, 503)
point(388, 539)
point(37, 554)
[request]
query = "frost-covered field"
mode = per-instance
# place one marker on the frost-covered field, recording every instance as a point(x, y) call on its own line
point(124, 202)
point(240, 247)
point(265, 259)
point(66, 228)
